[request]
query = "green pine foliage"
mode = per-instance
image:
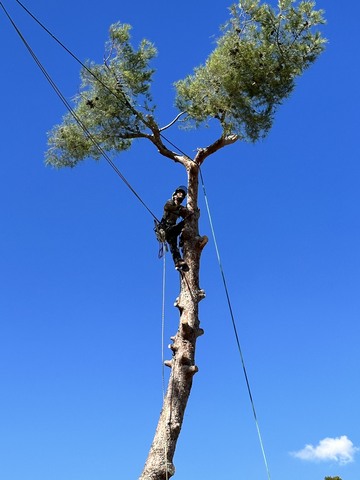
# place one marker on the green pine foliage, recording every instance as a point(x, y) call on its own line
point(251, 71)
point(254, 67)
point(111, 105)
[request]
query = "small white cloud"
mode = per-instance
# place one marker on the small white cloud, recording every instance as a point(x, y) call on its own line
point(340, 450)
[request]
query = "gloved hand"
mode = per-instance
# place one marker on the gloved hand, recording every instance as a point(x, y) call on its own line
point(184, 212)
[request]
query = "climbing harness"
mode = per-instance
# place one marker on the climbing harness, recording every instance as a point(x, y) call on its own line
point(160, 234)
point(159, 231)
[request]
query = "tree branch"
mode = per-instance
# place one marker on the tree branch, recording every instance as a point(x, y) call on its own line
point(202, 153)
point(162, 149)
point(172, 123)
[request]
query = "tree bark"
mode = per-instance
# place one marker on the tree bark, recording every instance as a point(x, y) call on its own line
point(159, 464)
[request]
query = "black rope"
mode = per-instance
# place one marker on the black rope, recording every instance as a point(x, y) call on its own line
point(83, 65)
point(90, 136)
point(74, 115)
point(234, 327)
point(237, 338)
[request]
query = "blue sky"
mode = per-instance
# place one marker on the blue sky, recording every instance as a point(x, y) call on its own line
point(81, 285)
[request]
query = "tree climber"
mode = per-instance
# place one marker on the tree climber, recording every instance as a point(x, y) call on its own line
point(173, 210)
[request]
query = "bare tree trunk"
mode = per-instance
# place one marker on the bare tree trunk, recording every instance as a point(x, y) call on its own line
point(159, 464)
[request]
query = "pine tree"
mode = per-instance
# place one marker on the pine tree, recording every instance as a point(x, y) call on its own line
point(258, 56)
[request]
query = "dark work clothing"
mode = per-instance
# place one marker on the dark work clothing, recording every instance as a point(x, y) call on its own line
point(172, 212)
point(171, 235)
